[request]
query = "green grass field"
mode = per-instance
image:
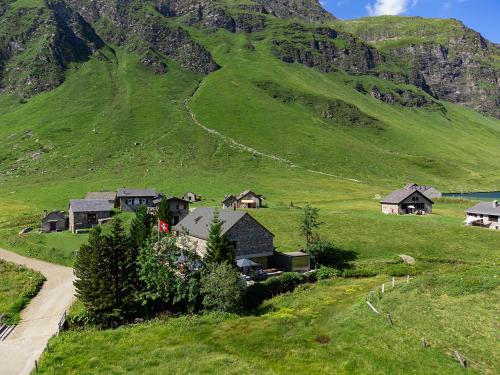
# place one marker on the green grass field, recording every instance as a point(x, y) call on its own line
point(18, 285)
point(325, 328)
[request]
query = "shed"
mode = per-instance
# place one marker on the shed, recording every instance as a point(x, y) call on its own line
point(297, 261)
point(55, 221)
point(406, 201)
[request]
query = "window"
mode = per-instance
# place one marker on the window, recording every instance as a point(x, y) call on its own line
point(130, 201)
point(144, 201)
point(234, 244)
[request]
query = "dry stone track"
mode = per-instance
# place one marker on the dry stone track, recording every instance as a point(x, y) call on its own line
point(39, 320)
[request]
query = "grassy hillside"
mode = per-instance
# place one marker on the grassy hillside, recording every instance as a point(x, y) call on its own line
point(322, 329)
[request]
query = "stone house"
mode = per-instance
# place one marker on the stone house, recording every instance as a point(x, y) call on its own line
point(406, 201)
point(251, 240)
point(178, 209)
point(110, 196)
point(129, 200)
point(429, 191)
point(191, 197)
point(484, 214)
point(55, 221)
point(247, 199)
point(87, 213)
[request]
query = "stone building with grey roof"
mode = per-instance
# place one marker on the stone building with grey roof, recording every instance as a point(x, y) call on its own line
point(107, 195)
point(406, 201)
point(251, 240)
point(484, 214)
point(246, 199)
point(87, 213)
point(129, 200)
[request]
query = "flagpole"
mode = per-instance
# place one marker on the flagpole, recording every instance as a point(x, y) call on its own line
point(158, 230)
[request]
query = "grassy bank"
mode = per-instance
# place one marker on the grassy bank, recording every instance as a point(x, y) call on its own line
point(19, 285)
point(325, 328)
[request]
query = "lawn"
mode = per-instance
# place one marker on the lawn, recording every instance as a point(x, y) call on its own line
point(18, 286)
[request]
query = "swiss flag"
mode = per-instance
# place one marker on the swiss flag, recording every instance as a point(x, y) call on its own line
point(163, 226)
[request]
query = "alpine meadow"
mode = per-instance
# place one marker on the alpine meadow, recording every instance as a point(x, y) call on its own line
point(316, 119)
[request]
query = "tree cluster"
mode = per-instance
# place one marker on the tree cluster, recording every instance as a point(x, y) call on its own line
point(122, 276)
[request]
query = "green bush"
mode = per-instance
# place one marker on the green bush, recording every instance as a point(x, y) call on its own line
point(287, 282)
point(326, 254)
point(325, 273)
point(358, 273)
point(222, 288)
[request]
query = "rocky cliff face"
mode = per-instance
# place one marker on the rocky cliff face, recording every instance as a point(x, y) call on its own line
point(441, 57)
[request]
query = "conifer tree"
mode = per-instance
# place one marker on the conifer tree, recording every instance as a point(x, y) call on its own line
point(164, 212)
point(219, 249)
point(106, 276)
point(141, 227)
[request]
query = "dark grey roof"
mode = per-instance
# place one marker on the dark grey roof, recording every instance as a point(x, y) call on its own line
point(242, 194)
point(128, 193)
point(400, 195)
point(197, 223)
point(90, 205)
point(485, 208)
point(177, 199)
point(232, 197)
point(55, 215)
point(109, 195)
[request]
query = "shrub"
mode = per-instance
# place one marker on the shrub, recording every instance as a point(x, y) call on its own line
point(222, 288)
point(358, 273)
point(325, 273)
point(326, 254)
point(258, 292)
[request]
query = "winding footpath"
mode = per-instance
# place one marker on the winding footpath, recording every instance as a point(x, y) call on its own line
point(235, 144)
point(39, 320)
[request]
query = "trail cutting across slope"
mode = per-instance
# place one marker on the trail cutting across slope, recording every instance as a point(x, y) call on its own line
point(235, 144)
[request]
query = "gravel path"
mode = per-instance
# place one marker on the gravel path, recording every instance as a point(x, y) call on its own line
point(39, 319)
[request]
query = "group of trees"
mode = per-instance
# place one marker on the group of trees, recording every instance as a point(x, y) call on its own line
point(323, 253)
point(123, 275)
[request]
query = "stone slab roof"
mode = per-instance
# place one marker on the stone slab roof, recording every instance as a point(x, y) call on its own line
point(90, 205)
point(139, 193)
point(197, 223)
point(485, 208)
point(109, 195)
point(400, 195)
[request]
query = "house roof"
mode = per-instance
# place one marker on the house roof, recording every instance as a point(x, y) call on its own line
point(400, 195)
point(228, 198)
point(127, 193)
point(109, 195)
point(90, 205)
point(242, 194)
point(485, 208)
point(55, 214)
point(177, 199)
point(197, 223)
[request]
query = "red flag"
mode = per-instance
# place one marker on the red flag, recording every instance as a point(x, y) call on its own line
point(163, 226)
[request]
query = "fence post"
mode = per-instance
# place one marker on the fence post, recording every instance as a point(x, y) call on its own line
point(383, 287)
point(36, 366)
point(389, 318)
point(393, 282)
point(462, 360)
point(372, 307)
point(424, 342)
point(408, 279)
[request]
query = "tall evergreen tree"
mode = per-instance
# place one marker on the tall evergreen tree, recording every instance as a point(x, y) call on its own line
point(106, 272)
point(141, 227)
point(163, 212)
point(219, 249)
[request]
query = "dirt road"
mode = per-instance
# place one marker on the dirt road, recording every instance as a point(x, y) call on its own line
point(39, 319)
